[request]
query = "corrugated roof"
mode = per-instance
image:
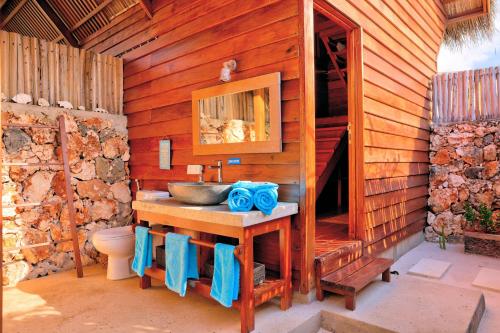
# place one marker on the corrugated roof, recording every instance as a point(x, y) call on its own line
point(467, 19)
point(80, 18)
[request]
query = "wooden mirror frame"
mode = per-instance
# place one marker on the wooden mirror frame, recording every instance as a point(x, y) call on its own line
point(273, 145)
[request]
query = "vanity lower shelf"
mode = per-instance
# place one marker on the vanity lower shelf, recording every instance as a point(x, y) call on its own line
point(263, 292)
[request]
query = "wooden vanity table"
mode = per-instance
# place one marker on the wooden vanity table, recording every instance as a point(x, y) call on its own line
point(244, 226)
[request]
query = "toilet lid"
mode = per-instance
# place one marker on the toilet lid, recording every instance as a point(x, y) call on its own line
point(111, 233)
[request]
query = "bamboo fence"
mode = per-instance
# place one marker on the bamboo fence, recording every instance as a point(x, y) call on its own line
point(472, 95)
point(58, 72)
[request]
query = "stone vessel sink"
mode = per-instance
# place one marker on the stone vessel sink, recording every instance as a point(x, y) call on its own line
point(199, 193)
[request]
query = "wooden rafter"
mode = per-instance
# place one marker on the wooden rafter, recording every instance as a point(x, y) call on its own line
point(147, 6)
point(472, 13)
point(56, 21)
point(5, 19)
point(90, 15)
point(333, 57)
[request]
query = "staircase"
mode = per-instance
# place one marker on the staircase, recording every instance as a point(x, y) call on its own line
point(331, 141)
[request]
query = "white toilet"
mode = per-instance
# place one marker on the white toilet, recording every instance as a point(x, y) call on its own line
point(118, 244)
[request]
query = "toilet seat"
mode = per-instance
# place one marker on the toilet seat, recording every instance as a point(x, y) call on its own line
point(114, 233)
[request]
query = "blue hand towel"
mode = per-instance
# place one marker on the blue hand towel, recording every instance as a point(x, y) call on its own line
point(240, 200)
point(266, 198)
point(226, 279)
point(181, 262)
point(143, 256)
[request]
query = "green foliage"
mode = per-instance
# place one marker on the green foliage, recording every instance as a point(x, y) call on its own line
point(470, 214)
point(483, 217)
point(486, 219)
point(442, 239)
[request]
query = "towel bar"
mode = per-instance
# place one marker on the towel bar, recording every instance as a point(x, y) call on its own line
point(238, 251)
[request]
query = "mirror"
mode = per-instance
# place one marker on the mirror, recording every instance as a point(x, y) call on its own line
point(238, 117)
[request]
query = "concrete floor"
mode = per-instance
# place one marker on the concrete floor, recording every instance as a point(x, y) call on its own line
point(62, 303)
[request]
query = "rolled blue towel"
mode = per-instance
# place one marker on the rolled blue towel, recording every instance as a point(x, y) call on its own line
point(240, 200)
point(143, 256)
point(245, 195)
point(266, 198)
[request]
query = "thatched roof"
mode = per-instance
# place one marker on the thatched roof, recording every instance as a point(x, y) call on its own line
point(469, 21)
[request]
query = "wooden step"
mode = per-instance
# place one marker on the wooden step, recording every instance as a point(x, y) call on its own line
point(352, 278)
point(331, 121)
point(334, 218)
point(327, 143)
point(332, 254)
point(330, 132)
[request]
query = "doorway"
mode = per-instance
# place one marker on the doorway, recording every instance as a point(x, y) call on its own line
point(339, 127)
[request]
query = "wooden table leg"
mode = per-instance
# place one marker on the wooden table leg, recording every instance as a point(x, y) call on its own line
point(386, 275)
point(350, 302)
point(247, 311)
point(144, 281)
point(286, 263)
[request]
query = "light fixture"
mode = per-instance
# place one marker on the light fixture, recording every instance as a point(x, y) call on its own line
point(227, 68)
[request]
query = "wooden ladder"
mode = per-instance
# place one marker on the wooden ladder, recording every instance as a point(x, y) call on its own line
point(61, 127)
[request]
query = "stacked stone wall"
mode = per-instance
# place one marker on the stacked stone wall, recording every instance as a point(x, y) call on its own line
point(98, 157)
point(464, 167)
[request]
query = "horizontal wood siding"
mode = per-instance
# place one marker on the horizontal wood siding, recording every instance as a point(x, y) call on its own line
point(193, 39)
point(400, 44)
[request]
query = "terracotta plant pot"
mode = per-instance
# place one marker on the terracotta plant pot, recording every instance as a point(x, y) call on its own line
point(482, 243)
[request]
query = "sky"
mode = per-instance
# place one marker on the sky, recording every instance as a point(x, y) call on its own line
point(485, 54)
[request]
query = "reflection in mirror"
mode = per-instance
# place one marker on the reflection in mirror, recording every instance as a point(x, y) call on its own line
point(235, 118)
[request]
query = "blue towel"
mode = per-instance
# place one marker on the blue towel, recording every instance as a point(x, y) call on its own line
point(245, 194)
point(266, 198)
point(240, 200)
point(143, 256)
point(181, 262)
point(226, 279)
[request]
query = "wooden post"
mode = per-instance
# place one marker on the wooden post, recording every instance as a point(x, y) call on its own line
point(69, 196)
point(247, 311)
point(286, 262)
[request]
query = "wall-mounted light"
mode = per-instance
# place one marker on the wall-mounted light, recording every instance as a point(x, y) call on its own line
point(227, 68)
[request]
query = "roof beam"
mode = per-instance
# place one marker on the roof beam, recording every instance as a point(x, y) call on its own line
point(56, 21)
point(147, 6)
point(90, 15)
point(5, 19)
point(472, 13)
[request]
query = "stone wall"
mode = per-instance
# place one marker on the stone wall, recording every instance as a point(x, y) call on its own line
point(98, 154)
point(464, 167)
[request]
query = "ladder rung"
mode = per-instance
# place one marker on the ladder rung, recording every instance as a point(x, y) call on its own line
point(27, 204)
point(31, 246)
point(30, 126)
point(31, 164)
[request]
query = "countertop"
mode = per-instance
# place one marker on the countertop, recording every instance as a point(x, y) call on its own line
point(219, 214)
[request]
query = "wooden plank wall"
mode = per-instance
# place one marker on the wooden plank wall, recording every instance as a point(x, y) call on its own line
point(401, 40)
point(58, 72)
point(466, 96)
point(188, 42)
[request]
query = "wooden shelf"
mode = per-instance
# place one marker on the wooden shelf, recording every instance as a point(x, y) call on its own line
point(263, 292)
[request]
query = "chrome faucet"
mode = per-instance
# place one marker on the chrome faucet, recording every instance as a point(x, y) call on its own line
point(219, 170)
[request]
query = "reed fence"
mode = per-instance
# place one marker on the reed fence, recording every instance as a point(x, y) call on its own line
point(58, 72)
point(472, 95)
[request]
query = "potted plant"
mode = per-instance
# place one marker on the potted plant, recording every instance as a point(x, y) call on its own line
point(482, 235)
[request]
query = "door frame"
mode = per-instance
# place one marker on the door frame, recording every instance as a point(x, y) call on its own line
point(354, 114)
point(307, 201)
